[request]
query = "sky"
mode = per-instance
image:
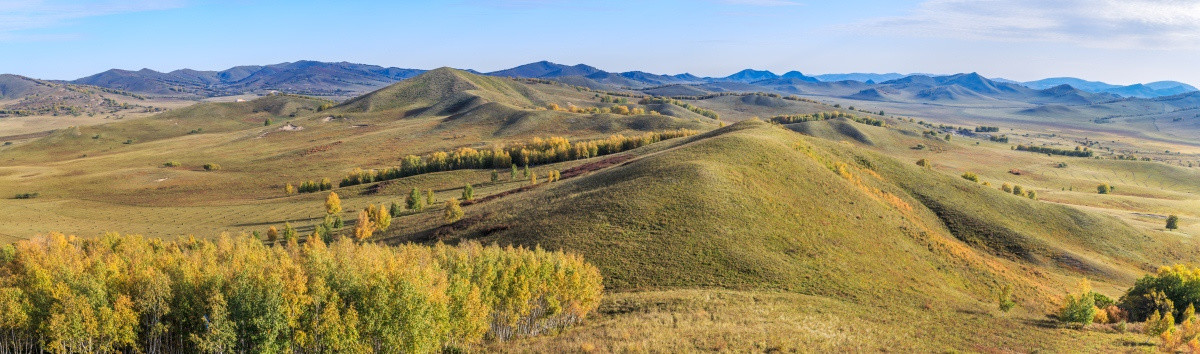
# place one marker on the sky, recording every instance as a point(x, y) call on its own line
point(1116, 41)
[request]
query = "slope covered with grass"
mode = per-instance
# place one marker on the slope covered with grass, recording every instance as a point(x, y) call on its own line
point(757, 207)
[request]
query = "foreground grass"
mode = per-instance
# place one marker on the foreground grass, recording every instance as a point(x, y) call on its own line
point(695, 320)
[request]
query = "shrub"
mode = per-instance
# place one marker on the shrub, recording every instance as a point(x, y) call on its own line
point(1079, 308)
point(212, 167)
point(1104, 188)
point(1007, 188)
point(970, 176)
point(272, 234)
point(1032, 195)
point(453, 211)
point(1172, 222)
point(1018, 190)
point(923, 163)
point(495, 176)
point(26, 196)
point(171, 164)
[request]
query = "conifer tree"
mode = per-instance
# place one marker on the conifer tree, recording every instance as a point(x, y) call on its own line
point(414, 200)
point(468, 193)
point(1172, 222)
point(526, 170)
point(396, 210)
point(289, 232)
point(513, 174)
point(495, 176)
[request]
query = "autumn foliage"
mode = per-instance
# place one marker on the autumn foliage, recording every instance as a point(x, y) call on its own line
point(235, 294)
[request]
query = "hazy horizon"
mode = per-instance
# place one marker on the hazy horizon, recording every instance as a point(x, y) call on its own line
point(1120, 43)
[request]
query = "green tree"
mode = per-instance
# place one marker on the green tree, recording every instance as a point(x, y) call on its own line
point(414, 200)
point(452, 212)
point(526, 170)
point(395, 209)
point(219, 333)
point(468, 193)
point(289, 232)
point(513, 174)
point(1079, 308)
point(495, 176)
point(1018, 190)
point(1172, 222)
point(429, 198)
point(1104, 188)
point(1032, 195)
point(1005, 299)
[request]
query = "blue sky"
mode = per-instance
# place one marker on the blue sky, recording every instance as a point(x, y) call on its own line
point(1118, 41)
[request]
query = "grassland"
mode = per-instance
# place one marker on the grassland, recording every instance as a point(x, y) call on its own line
point(753, 237)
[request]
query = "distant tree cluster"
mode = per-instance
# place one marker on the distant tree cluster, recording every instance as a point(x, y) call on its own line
point(621, 110)
point(797, 118)
point(662, 100)
point(1078, 152)
point(121, 293)
point(999, 138)
point(985, 129)
point(535, 152)
point(315, 186)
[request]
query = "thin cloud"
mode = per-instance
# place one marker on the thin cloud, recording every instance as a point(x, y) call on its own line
point(22, 15)
point(1117, 24)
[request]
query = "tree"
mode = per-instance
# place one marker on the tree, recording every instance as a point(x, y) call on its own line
point(220, 333)
point(513, 174)
point(267, 122)
point(364, 227)
point(395, 209)
point(429, 199)
point(923, 163)
point(532, 179)
point(1018, 190)
point(414, 200)
point(468, 193)
point(1032, 195)
point(333, 204)
point(453, 211)
point(1104, 188)
point(1007, 188)
point(1079, 309)
point(381, 218)
point(1005, 299)
point(289, 232)
point(289, 190)
point(495, 176)
point(272, 234)
point(526, 170)
point(1172, 222)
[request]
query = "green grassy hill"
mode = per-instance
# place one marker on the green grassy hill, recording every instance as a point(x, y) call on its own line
point(756, 207)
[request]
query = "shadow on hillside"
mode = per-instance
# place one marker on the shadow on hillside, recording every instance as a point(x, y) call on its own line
point(1048, 322)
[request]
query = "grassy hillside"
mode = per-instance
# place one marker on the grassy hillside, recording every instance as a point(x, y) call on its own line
point(864, 232)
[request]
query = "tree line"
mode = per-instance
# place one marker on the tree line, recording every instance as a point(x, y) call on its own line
point(797, 118)
point(1078, 152)
point(120, 293)
point(534, 152)
point(662, 100)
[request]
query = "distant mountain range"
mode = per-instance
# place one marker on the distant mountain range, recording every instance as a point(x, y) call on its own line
point(347, 80)
point(304, 77)
point(1150, 90)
